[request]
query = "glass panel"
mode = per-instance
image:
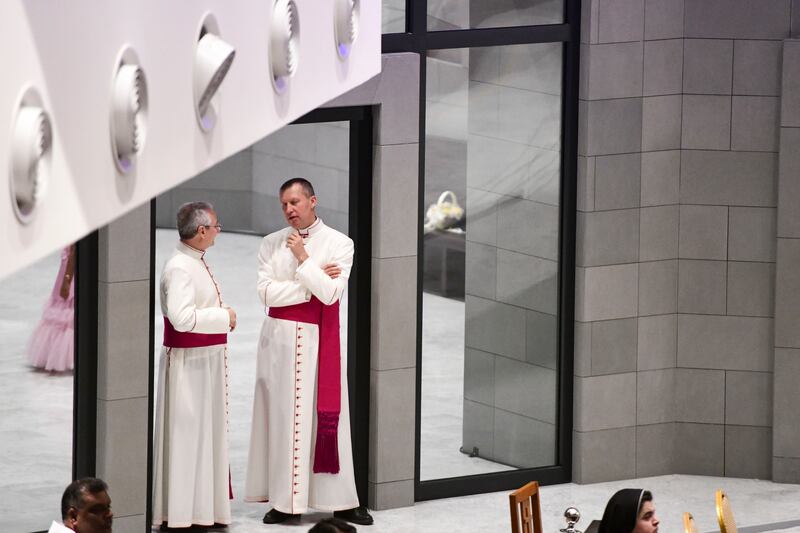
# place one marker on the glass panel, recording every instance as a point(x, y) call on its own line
point(489, 358)
point(244, 192)
point(394, 16)
point(36, 361)
point(463, 14)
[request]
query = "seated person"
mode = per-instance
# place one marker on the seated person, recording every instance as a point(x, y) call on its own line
point(85, 508)
point(630, 511)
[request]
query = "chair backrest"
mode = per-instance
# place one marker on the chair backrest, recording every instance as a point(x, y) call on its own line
point(688, 523)
point(526, 513)
point(724, 514)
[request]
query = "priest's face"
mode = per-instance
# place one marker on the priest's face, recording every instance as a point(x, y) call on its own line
point(298, 208)
point(94, 516)
point(207, 234)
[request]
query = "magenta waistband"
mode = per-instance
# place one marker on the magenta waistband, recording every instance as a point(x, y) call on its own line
point(309, 312)
point(186, 339)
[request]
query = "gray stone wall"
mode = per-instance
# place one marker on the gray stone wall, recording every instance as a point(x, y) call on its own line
point(244, 187)
point(123, 366)
point(676, 237)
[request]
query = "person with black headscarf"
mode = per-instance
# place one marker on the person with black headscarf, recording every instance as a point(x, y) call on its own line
point(630, 511)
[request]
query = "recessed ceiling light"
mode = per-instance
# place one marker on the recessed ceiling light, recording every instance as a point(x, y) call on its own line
point(31, 140)
point(346, 16)
point(128, 112)
point(284, 49)
point(213, 60)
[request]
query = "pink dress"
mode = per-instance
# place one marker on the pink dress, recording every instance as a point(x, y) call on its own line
point(51, 344)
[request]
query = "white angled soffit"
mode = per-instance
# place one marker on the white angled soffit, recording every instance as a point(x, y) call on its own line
point(92, 127)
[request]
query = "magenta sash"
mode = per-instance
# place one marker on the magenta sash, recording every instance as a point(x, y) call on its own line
point(186, 339)
point(329, 386)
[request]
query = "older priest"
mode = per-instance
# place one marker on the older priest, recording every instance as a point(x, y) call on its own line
point(191, 473)
point(300, 450)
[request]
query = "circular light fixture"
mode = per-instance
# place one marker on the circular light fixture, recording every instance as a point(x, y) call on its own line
point(213, 60)
point(346, 17)
point(284, 51)
point(128, 112)
point(31, 140)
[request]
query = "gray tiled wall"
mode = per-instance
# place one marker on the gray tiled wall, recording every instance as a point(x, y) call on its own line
point(243, 188)
point(122, 364)
point(676, 285)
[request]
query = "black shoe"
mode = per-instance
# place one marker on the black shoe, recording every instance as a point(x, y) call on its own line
point(357, 515)
point(274, 516)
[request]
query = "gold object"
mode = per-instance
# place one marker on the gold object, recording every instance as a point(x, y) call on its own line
point(688, 523)
point(724, 514)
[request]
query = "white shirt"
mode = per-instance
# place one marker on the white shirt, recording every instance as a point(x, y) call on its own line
point(55, 527)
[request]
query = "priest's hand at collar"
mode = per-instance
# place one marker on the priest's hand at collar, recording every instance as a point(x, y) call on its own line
point(295, 243)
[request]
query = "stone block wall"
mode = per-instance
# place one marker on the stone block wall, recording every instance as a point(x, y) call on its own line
point(244, 187)
point(122, 365)
point(675, 283)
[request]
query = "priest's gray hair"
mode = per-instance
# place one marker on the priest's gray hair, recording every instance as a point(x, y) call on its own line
point(191, 216)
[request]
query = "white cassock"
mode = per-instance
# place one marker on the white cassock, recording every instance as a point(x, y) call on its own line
point(191, 473)
point(279, 468)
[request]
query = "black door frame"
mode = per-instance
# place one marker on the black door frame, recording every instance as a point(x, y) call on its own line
point(84, 409)
point(418, 39)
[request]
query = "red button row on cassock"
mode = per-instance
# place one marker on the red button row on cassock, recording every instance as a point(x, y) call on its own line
point(297, 407)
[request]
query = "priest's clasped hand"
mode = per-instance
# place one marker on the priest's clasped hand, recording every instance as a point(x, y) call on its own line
point(295, 243)
point(232, 315)
point(332, 270)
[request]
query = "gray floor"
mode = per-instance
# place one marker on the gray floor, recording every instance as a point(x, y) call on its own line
point(769, 506)
point(35, 456)
point(34, 461)
point(233, 261)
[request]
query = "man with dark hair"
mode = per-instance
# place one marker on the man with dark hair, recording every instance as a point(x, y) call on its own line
point(308, 189)
point(300, 450)
point(85, 508)
point(191, 484)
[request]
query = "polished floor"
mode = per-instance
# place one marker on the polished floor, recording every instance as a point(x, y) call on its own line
point(34, 458)
point(757, 505)
point(233, 261)
point(234, 264)
point(35, 461)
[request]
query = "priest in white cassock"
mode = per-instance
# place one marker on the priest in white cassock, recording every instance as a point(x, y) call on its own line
point(191, 481)
point(300, 450)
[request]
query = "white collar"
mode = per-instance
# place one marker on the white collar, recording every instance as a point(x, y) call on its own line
point(189, 250)
point(312, 229)
point(55, 527)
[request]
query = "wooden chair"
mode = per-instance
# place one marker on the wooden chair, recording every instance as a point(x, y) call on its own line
point(688, 523)
point(724, 514)
point(526, 513)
